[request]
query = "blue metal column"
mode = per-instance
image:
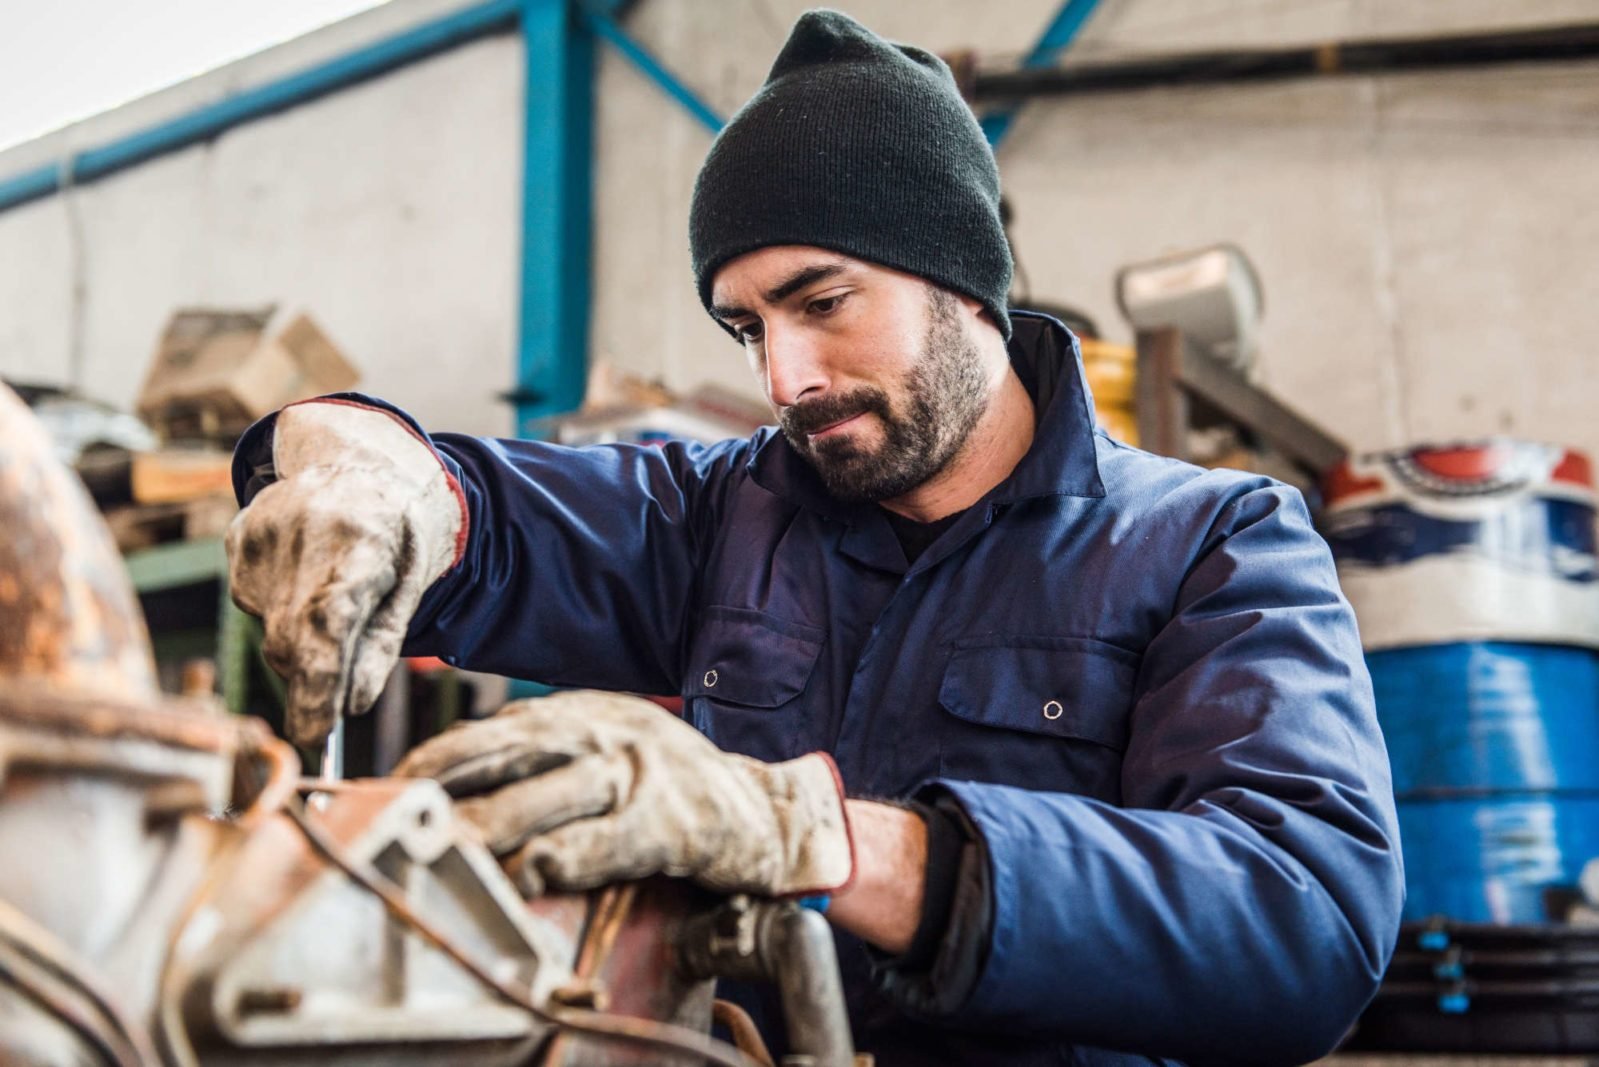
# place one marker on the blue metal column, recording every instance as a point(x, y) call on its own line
point(557, 195)
point(635, 53)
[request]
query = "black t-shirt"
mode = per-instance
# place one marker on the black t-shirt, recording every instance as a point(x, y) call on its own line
point(915, 537)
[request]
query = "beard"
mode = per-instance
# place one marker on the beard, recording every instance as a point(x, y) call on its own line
point(941, 399)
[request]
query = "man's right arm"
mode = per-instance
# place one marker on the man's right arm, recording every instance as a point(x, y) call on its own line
point(574, 566)
point(582, 565)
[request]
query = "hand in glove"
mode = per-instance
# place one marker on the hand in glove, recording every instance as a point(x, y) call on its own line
point(585, 788)
point(335, 555)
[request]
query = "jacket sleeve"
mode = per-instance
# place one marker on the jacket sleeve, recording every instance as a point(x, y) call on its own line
point(580, 563)
point(1242, 904)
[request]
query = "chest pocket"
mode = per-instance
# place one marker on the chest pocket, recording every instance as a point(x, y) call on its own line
point(1038, 712)
point(745, 670)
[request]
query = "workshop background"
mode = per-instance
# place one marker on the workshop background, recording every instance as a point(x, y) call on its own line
point(1426, 240)
point(1380, 286)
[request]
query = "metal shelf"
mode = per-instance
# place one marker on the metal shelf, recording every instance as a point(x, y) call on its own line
point(177, 564)
point(1180, 388)
point(180, 564)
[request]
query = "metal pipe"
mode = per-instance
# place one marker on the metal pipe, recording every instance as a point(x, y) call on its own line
point(212, 120)
point(1056, 38)
point(69, 620)
point(1369, 56)
point(780, 942)
point(798, 945)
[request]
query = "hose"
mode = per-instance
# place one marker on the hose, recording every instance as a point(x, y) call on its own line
point(43, 969)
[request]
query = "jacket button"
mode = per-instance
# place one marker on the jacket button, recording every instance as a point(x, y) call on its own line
point(1053, 709)
point(710, 679)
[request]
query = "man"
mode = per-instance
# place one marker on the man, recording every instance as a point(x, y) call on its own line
point(1135, 795)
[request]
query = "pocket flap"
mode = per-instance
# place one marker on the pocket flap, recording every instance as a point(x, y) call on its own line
point(743, 656)
point(1069, 687)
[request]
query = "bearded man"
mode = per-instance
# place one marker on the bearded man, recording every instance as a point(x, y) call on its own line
point(1078, 740)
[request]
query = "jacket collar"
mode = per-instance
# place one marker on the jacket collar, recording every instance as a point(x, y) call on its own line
point(1061, 461)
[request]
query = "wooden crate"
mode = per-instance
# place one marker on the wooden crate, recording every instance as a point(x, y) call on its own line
point(138, 526)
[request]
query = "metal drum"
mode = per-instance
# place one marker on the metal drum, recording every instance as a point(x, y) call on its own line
point(1472, 573)
point(1491, 541)
point(1495, 752)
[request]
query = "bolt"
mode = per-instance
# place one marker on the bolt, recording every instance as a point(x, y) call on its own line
point(269, 1001)
point(582, 995)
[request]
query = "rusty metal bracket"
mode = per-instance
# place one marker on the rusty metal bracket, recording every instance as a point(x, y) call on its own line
point(1179, 387)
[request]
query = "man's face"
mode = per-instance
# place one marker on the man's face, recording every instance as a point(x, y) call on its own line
point(873, 373)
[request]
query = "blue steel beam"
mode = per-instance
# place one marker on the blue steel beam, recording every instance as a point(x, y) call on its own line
point(603, 25)
point(557, 201)
point(557, 196)
point(1056, 38)
point(211, 120)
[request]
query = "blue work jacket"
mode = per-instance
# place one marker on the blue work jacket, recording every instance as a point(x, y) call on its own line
point(1137, 679)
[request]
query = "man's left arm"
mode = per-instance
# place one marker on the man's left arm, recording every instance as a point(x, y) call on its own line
point(1243, 902)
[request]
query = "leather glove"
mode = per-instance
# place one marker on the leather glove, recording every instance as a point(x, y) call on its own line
point(335, 555)
point(586, 788)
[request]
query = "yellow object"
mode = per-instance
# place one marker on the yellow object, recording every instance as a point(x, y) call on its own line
point(1113, 378)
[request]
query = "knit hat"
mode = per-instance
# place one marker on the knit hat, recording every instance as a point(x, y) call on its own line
point(860, 146)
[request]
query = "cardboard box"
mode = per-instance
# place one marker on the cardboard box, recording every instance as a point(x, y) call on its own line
point(217, 371)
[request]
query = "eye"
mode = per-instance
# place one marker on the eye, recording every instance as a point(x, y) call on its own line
point(826, 305)
point(749, 332)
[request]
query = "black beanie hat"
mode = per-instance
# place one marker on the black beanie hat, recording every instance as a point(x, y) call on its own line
point(860, 146)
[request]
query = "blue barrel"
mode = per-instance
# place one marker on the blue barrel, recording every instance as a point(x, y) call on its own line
point(1495, 753)
point(1473, 572)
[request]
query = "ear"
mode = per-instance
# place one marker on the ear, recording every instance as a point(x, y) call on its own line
point(974, 308)
point(979, 315)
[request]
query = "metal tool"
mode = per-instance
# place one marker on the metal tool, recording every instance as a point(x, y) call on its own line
point(333, 753)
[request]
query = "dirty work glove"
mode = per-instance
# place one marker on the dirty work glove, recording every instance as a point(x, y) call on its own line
point(586, 788)
point(335, 555)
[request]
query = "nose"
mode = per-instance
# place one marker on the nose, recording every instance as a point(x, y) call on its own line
point(795, 366)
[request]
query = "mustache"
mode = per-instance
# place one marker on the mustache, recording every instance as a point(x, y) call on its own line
point(809, 416)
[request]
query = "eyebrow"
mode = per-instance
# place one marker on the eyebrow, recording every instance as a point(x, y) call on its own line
point(784, 289)
point(799, 280)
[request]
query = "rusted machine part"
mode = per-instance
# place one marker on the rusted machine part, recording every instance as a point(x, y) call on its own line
point(103, 822)
point(58, 988)
point(68, 615)
point(737, 1022)
point(136, 919)
point(104, 785)
point(625, 964)
point(286, 951)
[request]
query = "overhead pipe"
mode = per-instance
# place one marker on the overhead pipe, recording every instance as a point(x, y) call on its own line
point(1566, 43)
point(554, 282)
point(212, 120)
point(1056, 38)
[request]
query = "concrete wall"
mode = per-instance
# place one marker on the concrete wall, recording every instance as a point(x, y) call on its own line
point(388, 211)
point(1427, 242)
